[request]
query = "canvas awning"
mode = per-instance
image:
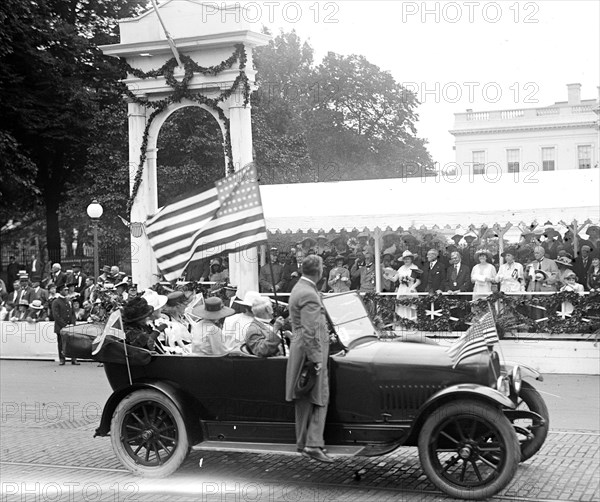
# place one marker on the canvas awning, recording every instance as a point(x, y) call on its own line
point(434, 202)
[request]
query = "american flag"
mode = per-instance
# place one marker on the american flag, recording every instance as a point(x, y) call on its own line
point(226, 216)
point(475, 340)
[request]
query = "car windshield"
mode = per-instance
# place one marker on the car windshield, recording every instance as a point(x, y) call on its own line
point(349, 317)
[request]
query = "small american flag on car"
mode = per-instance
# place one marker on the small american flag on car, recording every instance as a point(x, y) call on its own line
point(476, 339)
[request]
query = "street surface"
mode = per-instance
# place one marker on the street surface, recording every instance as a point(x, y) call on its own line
point(49, 414)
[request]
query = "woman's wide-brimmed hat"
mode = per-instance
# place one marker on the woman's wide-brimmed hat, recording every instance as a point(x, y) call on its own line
point(591, 229)
point(249, 297)
point(177, 298)
point(136, 310)
point(564, 261)
point(214, 309)
point(541, 272)
point(485, 252)
point(307, 239)
point(155, 300)
point(406, 254)
point(340, 257)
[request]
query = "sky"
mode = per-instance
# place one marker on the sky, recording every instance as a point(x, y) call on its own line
point(457, 55)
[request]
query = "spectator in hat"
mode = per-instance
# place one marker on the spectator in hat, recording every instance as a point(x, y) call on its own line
point(62, 313)
point(3, 311)
point(38, 293)
point(322, 246)
point(115, 274)
point(339, 246)
point(12, 272)
point(207, 334)
point(483, 274)
point(433, 279)
point(593, 278)
point(138, 332)
point(551, 242)
point(78, 311)
point(582, 264)
point(565, 266)
point(546, 279)
point(409, 281)
point(78, 278)
point(122, 288)
point(262, 338)
point(37, 312)
point(388, 272)
point(571, 284)
point(271, 277)
point(593, 232)
point(171, 324)
point(19, 293)
point(19, 313)
point(235, 326)
point(57, 276)
point(88, 293)
point(217, 272)
point(339, 276)
point(105, 275)
point(510, 274)
point(306, 244)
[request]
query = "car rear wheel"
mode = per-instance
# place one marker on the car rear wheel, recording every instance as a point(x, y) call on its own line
point(531, 433)
point(469, 449)
point(148, 434)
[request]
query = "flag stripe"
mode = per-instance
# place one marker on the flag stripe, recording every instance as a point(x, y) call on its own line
point(178, 208)
point(194, 214)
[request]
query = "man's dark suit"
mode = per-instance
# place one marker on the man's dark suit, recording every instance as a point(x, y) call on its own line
point(62, 313)
point(59, 279)
point(581, 267)
point(460, 281)
point(433, 278)
point(79, 278)
point(41, 294)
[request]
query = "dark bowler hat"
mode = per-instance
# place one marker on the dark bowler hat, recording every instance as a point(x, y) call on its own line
point(136, 309)
point(214, 309)
point(176, 298)
point(106, 269)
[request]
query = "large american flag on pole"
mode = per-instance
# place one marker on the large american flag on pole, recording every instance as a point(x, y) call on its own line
point(475, 340)
point(226, 216)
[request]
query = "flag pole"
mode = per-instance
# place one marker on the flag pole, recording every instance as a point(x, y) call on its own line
point(276, 299)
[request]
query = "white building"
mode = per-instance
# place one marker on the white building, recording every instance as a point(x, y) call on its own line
point(561, 136)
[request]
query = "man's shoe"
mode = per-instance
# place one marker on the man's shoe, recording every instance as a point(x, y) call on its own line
point(74, 361)
point(317, 454)
point(62, 363)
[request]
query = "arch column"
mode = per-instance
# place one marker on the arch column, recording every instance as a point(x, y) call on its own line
point(243, 266)
point(143, 262)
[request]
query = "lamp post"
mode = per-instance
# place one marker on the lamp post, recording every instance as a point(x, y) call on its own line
point(94, 211)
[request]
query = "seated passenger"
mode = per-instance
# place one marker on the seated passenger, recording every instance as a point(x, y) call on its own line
point(236, 326)
point(262, 338)
point(173, 323)
point(138, 332)
point(207, 336)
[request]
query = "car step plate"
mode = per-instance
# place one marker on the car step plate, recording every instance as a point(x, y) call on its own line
point(284, 449)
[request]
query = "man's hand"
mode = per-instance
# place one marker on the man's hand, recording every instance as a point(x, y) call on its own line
point(317, 368)
point(279, 322)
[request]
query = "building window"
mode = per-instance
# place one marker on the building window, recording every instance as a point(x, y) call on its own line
point(512, 159)
point(548, 159)
point(478, 162)
point(584, 156)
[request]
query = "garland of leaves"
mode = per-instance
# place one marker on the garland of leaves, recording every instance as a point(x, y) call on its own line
point(181, 91)
point(514, 313)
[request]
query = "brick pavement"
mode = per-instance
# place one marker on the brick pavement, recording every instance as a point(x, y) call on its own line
point(56, 458)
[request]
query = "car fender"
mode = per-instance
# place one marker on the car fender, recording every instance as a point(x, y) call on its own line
point(526, 371)
point(449, 394)
point(182, 402)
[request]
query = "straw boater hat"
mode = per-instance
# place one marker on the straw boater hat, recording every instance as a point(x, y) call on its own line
point(36, 305)
point(136, 310)
point(214, 309)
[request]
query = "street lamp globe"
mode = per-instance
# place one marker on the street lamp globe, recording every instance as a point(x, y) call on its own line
point(94, 210)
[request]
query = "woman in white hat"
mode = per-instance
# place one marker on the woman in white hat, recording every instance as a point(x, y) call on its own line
point(408, 278)
point(207, 335)
point(483, 275)
point(510, 274)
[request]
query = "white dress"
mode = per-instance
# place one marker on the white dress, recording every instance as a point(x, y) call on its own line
point(481, 287)
point(405, 288)
point(508, 276)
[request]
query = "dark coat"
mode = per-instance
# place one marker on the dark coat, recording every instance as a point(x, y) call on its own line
point(59, 279)
point(62, 313)
point(310, 340)
point(433, 279)
point(261, 340)
point(581, 269)
point(462, 282)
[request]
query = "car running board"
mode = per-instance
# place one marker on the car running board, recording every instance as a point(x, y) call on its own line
point(283, 449)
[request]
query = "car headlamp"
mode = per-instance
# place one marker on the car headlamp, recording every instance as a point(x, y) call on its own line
point(516, 379)
point(503, 386)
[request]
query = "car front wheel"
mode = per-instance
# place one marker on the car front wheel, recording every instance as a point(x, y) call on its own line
point(148, 434)
point(469, 449)
point(531, 432)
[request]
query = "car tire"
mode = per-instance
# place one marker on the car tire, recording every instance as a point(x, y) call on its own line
point(469, 449)
point(534, 401)
point(148, 434)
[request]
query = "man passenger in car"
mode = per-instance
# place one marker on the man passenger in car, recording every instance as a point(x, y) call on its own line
point(207, 335)
point(262, 338)
point(236, 326)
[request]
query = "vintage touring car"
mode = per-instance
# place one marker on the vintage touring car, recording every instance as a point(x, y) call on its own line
point(472, 424)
